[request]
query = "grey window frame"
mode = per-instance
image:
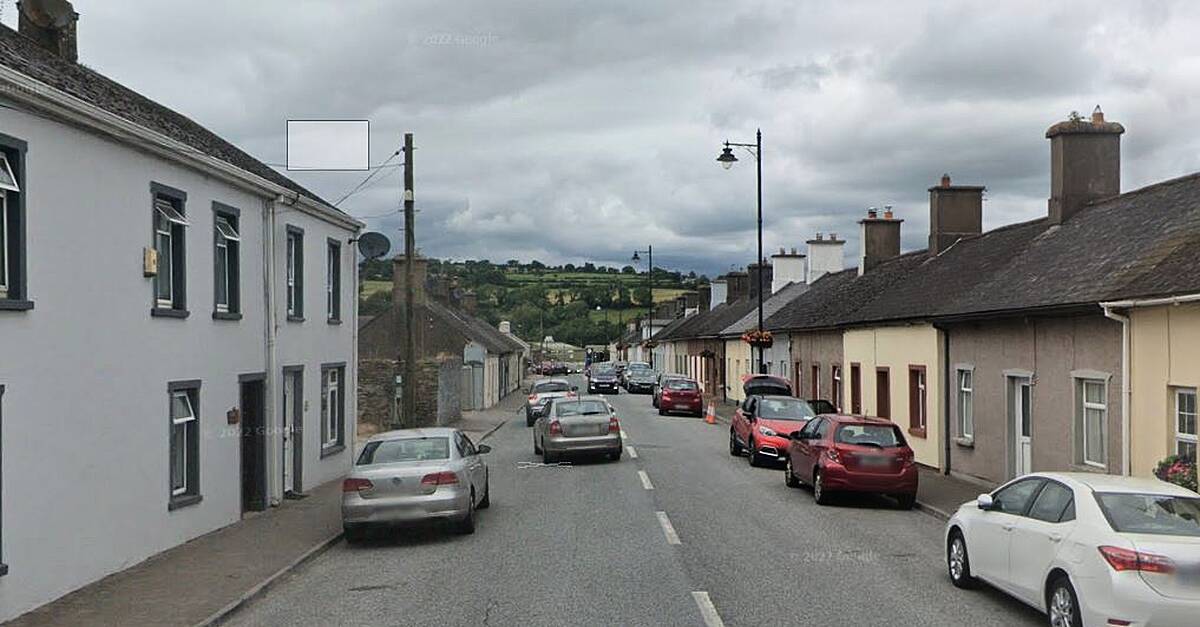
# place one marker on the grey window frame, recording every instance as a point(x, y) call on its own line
point(15, 252)
point(293, 273)
point(338, 443)
point(192, 494)
point(333, 281)
point(232, 309)
point(177, 308)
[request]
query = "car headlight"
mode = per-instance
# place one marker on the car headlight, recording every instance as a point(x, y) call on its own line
point(767, 431)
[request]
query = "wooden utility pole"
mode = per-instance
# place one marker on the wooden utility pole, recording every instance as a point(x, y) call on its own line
point(409, 387)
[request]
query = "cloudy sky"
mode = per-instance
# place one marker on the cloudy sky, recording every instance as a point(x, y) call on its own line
point(574, 131)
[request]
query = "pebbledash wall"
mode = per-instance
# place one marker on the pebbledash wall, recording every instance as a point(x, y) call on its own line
point(85, 372)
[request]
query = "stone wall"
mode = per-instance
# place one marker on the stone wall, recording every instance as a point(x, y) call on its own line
point(376, 390)
point(449, 391)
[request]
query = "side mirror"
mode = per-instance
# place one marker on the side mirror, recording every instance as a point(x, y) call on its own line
point(795, 435)
point(985, 502)
point(483, 449)
point(574, 388)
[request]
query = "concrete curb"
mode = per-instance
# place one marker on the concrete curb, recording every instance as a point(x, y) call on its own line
point(933, 511)
point(224, 614)
point(493, 430)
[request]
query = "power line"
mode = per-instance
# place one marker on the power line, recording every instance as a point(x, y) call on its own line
point(368, 179)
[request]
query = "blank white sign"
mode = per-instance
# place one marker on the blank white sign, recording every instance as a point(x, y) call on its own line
point(328, 144)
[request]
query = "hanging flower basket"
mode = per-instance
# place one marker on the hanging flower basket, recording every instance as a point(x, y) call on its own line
point(622, 346)
point(707, 354)
point(650, 344)
point(758, 339)
point(1178, 470)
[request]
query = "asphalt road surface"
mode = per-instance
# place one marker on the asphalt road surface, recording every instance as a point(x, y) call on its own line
point(677, 532)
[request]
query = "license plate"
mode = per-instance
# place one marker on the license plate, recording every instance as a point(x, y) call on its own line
point(681, 405)
point(875, 461)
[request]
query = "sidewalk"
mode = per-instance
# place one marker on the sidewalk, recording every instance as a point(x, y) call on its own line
point(481, 423)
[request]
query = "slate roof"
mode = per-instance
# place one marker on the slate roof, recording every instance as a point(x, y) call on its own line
point(21, 54)
point(711, 323)
point(834, 298)
point(475, 329)
point(771, 305)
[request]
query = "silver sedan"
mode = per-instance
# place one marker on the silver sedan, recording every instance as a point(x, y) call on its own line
point(577, 425)
point(414, 475)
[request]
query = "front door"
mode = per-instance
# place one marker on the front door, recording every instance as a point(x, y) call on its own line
point(290, 430)
point(1022, 426)
point(253, 448)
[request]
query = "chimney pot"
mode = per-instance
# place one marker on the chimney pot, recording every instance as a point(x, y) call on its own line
point(872, 213)
point(887, 212)
point(833, 237)
point(819, 235)
point(1097, 115)
point(945, 180)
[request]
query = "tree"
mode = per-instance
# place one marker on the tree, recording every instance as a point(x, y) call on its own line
point(589, 267)
point(641, 295)
point(537, 265)
point(628, 270)
point(570, 267)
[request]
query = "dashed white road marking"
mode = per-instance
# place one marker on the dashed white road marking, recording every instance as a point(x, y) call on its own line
point(645, 480)
point(624, 436)
point(708, 610)
point(632, 452)
point(668, 528)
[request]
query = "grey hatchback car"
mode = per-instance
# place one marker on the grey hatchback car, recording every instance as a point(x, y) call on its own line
point(577, 425)
point(414, 475)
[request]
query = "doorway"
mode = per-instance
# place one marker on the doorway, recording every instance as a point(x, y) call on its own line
point(253, 439)
point(1021, 413)
point(292, 431)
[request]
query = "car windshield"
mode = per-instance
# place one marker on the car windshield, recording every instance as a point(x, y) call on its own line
point(606, 369)
point(784, 409)
point(580, 408)
point(404, 450)
point(882, 436)
point(681, 384)
point(551, 386)
point(1155, 514)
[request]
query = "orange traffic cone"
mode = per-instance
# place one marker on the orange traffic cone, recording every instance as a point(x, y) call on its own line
point(710, 416)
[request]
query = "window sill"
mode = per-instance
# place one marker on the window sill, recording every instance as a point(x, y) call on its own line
point(226, 315)
point(917, 431)
point(965, 442)
point(1089, 467)
point(183, 500)
point(15, 305)
point(327, 451)
point(163, 312)
point(333, 320)
point(292, 318)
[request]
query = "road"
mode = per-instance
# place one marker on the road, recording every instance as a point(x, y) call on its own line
point(681, 534)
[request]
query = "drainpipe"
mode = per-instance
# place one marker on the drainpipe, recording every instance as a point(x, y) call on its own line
point(274, 481)
point(945, 396)
point(1126, 388)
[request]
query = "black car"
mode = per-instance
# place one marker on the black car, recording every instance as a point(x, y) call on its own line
point(641, 380)
point(603, 378)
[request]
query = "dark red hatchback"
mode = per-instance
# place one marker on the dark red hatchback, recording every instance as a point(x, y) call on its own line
point(835, 453)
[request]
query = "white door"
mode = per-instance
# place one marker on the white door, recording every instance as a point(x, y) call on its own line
point(288, 430)
point(1022, 426)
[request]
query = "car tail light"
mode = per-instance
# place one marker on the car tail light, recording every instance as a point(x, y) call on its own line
point(446, 477)
point(356, 485)
point(533, 397)
point(1127, 559)
point(833, 455)
point(555, 428)
point(614, 425)
point(905, 457)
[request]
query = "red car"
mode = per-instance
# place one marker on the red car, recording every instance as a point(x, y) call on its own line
point(836, 453)
point(761, 426)
point(679, 394)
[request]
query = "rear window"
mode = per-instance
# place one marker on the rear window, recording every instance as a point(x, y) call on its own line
point(678, 384)
point(553, 386)
point(883, 436)
point(784, 409)
point(404, 450)
point(1156, 514)
point(580, 408)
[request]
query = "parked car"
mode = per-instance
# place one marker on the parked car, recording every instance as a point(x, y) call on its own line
point(761, 427)
point(835, 453)
point(577, 426)
point(821, 406)
point(641, 380)
point(541, 393)
point(657, 391)
point(680, 394)
point(413, 475)
point(765, 385)
point(634, 367)
point(1085, 548)
point(603, 378)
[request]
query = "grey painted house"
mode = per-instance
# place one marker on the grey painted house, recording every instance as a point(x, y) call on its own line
point(171, 330)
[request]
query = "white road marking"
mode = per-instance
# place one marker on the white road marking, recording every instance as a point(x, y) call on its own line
point(708, 610)
point(632, 452)
point(624, 436)
point(645, 480)
point(668, 529)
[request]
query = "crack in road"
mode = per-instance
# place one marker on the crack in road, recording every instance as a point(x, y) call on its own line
point(487, 611)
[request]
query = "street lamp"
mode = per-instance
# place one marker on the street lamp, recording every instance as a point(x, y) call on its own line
point(649, 305)
point(727, 159)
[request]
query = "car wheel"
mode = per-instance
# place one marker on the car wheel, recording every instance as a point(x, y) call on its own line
point(654, 402)
point(820, 494)
point(615, 455)
point(752, 454)
point(529, 419)
point(789, 477)
point(548, 457)
point(662, 412)
point(734, 449)
point(467, 526)
point(537, 450)
point(1063, 605)
point(905, 501)
point(354, 534)
point(486, 502)
point(958, 564)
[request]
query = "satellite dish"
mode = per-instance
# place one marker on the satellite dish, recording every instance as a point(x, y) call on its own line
point(373, 245)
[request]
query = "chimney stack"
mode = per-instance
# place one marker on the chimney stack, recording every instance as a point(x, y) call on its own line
point(739, 286)
point(719, 292)
point(767, 273)
point(704, 294)
point(505, 327)
point(420, 269)
point(955, 211)
point(51, 24)
point(1085, 163)
point(880, 239)
point(469, 302)
point(824, 256)
point(787, 268)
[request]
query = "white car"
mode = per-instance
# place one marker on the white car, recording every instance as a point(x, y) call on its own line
point(1087, 549)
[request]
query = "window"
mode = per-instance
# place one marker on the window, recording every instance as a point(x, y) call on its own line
point(966, 403)
point(856, 389)
point(1054, 504)
point(13, 295)
point(918, 406)
point(184, 447)
point(404, 450)
point(333, 281)
point(226, 263)
point(333, 407)
point(883, 392)
point(836, 389)
point(1185, 423)
point(1091, 422)
point(295, 274)
point(1015, 498)
point(170, 227)
point(816, 381)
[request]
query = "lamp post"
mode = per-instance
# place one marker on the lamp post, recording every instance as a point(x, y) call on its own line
point(649, 305)
point(727, 159)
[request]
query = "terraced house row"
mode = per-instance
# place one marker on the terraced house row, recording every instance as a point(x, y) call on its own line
point(1066, 342)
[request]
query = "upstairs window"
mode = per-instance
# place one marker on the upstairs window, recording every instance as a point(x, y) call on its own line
point(12, 225)
point(8, 183)
point(295, 274)
point(170, 227)
point(226, 264)
point(333, 281)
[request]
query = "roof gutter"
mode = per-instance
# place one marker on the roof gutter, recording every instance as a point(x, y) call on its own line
point(77, 112)
point(1151, 302)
